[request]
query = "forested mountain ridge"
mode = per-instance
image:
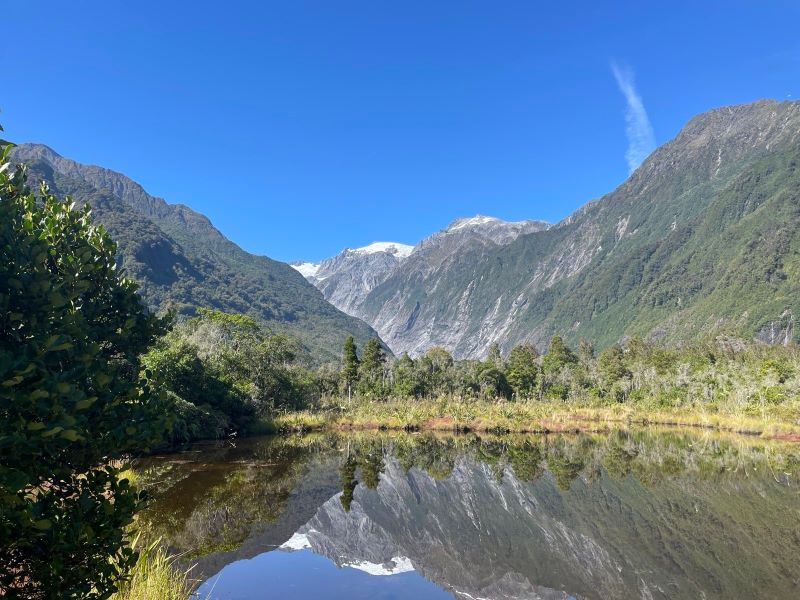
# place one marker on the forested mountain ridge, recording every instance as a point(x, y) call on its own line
point(180, 259)
point(701, 239)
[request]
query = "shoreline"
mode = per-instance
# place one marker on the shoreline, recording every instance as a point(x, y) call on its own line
point(526, 419)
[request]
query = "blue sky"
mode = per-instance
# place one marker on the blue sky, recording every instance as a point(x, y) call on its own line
point(303, 127)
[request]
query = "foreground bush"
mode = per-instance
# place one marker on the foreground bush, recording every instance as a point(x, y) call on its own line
point(71, 332)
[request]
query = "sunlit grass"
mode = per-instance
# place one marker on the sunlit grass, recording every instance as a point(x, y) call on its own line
point(155, 577)
point(466, 414)
point(127, 471)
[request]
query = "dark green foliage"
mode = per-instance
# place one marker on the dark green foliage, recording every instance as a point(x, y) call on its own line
point(206, 403)
point(566, 462)
point(434, 373)
point(585, 351)
point(620, 455)
point(728, 265)
point(222, 370)
point(404, 381)
point(71, 398)
point(350, 365)
point(371, 464)
point(372, 370)
point(702, 375)
point(558, 356)
point(494, 356)
point(348, 481)
point(527, 461)
point(522, 370)
point(612, 370)
point(492, 383)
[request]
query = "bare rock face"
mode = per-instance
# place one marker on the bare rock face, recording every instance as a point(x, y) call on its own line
point(347, 278)
point(409, 308)
point(780, 331)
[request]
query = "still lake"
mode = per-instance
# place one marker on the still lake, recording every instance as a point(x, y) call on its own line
point(631, 514)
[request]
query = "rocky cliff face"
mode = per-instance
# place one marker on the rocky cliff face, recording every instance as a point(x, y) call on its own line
point(696, 242)
point(347, 278)
point(404, 307)
point(481, 536)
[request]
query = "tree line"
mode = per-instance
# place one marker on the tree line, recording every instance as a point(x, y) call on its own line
point(225, 373)
point(634, 371)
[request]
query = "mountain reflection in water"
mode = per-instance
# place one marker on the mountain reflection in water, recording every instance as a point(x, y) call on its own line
point(642, 514)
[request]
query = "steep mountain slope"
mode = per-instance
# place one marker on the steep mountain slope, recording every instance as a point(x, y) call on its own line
point(180, 259)
point(364, 282)
point(702, 239)
point(347, 278)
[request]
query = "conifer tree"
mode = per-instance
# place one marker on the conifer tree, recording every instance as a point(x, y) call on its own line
point(495, 357)
point(371, 371)
point(522, 370)
point(349, 365)
point(558, 355)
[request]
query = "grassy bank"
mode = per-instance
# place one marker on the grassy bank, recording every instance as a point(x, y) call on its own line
point(454, 414)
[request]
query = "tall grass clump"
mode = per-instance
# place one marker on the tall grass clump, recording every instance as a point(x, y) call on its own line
point(155, 576)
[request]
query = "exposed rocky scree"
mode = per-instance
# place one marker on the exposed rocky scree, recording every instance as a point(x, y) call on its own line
point(348, 278)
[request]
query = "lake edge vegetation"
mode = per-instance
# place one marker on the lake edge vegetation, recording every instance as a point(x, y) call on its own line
point(724, 383)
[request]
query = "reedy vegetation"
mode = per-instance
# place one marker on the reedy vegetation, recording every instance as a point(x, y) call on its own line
point(252, 380)
point(155, 576)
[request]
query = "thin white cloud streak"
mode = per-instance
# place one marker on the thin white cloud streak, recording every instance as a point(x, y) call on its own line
point(641, 140)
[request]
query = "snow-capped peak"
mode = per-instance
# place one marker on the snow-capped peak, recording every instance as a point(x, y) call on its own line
point(298, 541)
point(399, 250)
point(306, 269)
point(469, 222)
point(398, 564)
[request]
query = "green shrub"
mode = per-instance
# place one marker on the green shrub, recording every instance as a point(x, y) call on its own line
point(71, 332)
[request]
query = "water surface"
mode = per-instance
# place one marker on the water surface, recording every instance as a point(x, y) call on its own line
point(642, 514)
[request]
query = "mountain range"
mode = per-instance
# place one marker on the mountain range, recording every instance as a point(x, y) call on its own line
point(701, 240)
point(181, 260)
point(347, 278)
